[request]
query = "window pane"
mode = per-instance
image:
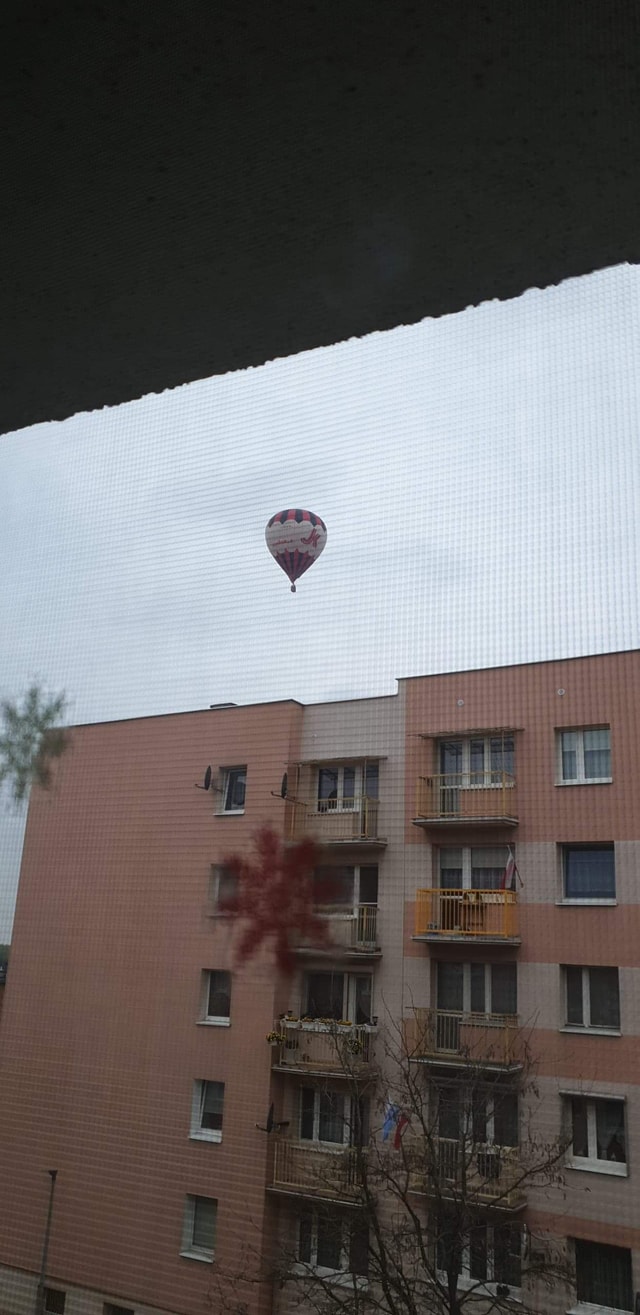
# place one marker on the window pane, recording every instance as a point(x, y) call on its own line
point(487, 867)
point(478, 988)
point(479, 1130)
point(328, 783)
point(325, 994)
point(505, 1119)
point(451, 869)
point(603, 1275)
point(569, 747)
point(363, 1000)
point(369, 884)
point(334, 887)
point(305, 1238)
point(329, 1243)
point(451, 756)
point(610, 1136)
point(579, 1126)
point(506, 1255)
point(478, 1253)
point(359, 1247)
point(449, 1113)
point(331, 1122)
point(604, 997)
point(219, 1002)
point(574, 996)
point(212, 1105)
point(504, 988)
point(54, 1301)
point(204, 1223)
point(371, 780)
point(502, 756)
point(450, 985)
point(589, 873)
point(348, 785)
point(236, 782)
point(227, 887)
point(307, 1111)
point(359, 1130)
point(476, 757)
point(597, 754)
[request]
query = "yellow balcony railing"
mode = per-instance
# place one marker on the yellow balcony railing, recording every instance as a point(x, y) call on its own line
point(467, 797)
point(473, 1038)
point(324, 1047)
point(315, 1171)
point(483, 1174)
point(333, 821)
point(468, 914)
point(348, 928)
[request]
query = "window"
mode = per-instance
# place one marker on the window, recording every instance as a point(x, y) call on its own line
point(598, 1134)
point(234, 781)
point(109, 1309)
point(338, 996)
point(217, 997)
point(199, 1228)
point(478, 988)
point(481, 760)
point(345, 888)
point(480, 868)
point(485, 1117)
point(593, 998)
point(588, 872)
point(488, 1253)
point(340, 787)
point(584, 756)
point(54, 1301)
point(223, 888)
point(333, 1244)
point(330, 1116)
point(206, 1110)
point(603, 1275)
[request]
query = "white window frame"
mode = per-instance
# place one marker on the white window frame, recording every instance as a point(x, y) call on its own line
point(348, 991)
point(343, 1275)
point(212, 1020)
point(591, 1163)
point(218, 873)
point(580, 778)
point(466, 863)
point(227, 776)
point(466, 990)
point(596, 900)
point(348, 910)
point(466, 1125)
point(197, 1132)
point(593, 1308)
point(342, 803)
point(189, 1249)
point(467, 781)
point(590, 1028)
point(489, 1285)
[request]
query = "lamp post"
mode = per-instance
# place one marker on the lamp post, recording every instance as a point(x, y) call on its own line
point(53, 1174)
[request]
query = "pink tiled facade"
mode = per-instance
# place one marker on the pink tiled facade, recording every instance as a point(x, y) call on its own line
point(107, 1024)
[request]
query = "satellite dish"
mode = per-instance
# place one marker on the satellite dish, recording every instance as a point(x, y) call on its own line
point(271, 1125)
point(207, 781)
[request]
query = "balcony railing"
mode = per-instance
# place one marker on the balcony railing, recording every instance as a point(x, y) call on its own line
point(467, 797)
point(484, 1174)
point(315, 1171)
point(490, 915)
point(446, 1036)
point(318, 1047)
point(348, 929)
point(335, 821)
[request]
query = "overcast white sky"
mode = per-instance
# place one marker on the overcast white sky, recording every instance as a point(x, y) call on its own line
point(479, 476)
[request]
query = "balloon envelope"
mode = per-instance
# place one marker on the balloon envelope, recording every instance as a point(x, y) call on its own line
point(295, 538)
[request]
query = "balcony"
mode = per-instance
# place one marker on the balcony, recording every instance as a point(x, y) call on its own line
point(331, 1048)
point(336, 821)
point(484, 1175)
point(462, 798)
point(445, 1037)
point(352, 933)
point(481, 916)
point(305, 1169)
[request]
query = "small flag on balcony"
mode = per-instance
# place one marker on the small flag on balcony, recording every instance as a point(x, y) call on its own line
point(401, 1124)
point(510, 873)
point(390, 1120)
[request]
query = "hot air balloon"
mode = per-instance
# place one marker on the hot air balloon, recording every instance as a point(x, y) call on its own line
point(295, 538)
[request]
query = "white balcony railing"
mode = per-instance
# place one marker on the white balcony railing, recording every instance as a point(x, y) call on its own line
point(335, 820)
point(317, 1171)
point(324, 1047)
point(474, 1038)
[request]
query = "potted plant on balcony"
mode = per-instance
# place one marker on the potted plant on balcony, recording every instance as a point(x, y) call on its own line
point(276, 1038)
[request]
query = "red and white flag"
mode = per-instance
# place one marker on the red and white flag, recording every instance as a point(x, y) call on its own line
point(509, 877)
point(401, 1124)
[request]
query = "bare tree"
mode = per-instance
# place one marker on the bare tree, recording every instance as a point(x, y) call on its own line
point(30, 739)
point(421, 1212)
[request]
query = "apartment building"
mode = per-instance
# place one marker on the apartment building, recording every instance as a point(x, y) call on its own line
point(481, 831)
